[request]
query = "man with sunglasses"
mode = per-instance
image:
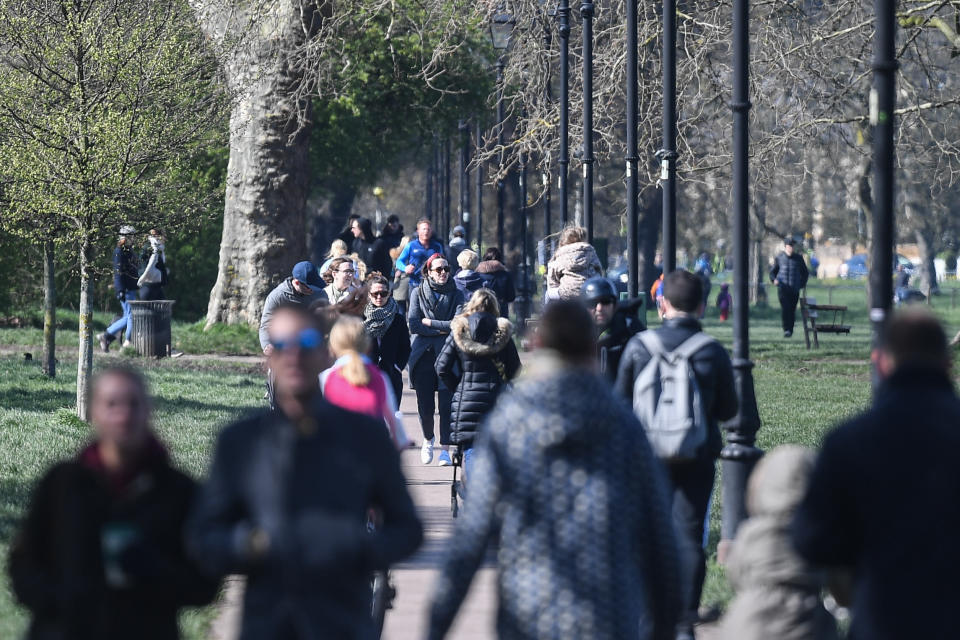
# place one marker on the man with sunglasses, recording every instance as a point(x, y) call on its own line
point(288, 496)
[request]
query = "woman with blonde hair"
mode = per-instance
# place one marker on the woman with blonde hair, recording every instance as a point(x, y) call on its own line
point(356, 384)
point(574, 262)
point(478, 359)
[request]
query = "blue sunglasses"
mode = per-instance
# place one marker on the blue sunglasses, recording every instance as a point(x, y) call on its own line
point(306, 340)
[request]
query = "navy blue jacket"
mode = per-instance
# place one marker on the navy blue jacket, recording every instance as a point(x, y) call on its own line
point(125, 270)
point(789, 270)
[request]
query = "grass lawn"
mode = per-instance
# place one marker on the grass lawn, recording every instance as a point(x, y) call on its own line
point(801, 395)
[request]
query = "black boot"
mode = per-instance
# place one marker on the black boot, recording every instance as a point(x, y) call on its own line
point(105, 340)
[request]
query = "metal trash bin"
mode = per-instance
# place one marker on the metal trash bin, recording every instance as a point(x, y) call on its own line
point(150, 332)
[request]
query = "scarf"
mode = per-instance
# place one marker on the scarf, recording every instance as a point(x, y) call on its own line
point(428, 301)
point(378, 319)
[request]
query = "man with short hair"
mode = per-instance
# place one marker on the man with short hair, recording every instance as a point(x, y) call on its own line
point(884, 500)
point(789, 275)
point(303, 287)
point(615, 324)
point(411, 259)
point(288, 497)
point(691, 480)
point(457, 244)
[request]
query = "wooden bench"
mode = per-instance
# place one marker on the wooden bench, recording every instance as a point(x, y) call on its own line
point(812, 320)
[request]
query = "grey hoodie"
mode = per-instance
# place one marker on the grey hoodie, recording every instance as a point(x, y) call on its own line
point(283, 293)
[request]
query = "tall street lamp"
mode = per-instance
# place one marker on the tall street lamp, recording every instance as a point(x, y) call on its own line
point(464, 167)
point(740, 454)
point(632, 157)
point(524, 298)
point(479, 192)
point(586, 12)
point(668, 153)
point(882, 102)
point(501, 30)
point(563, 15)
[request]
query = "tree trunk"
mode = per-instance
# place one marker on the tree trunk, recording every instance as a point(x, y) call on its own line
point(49, 312)
point(926, 279)
point(649, 230)
point(85, 360)
point(264, 220)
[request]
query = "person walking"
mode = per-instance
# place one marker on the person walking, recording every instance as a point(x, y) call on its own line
point(432, 306)
point(478, 360)
point(467, 278)
point(288, 497)
point(411, 259)
point(789, 275)
point(574, 262)
point(614, 324)
point(339, 278)
point(100, 553)
point(777, 591)
point(386, 325)
point(125, 275)
point(354, 382)
point(883, 505)
point(724, 302)
point(389, 238)
point(457, 244)
point(303, 287)
point(363, 239)
point(585, 544)
point(154, 276)
point(497, 279)
point(691, 473)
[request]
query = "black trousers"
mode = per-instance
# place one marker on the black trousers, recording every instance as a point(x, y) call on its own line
point(426, 383)
point(788, 306)
point(692, 484)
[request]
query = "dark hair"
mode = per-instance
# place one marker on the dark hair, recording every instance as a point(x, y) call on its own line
point(567, 328)
point(393, 218)
point(683, 290)
point(334, 264)
point(425, 269)
point(377, 278)
point(493, 253)
point(366, 229)
point(916, 338)
point(119, 371)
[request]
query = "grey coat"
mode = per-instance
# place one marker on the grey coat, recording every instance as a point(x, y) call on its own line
point(283, 293)
point(429, 340)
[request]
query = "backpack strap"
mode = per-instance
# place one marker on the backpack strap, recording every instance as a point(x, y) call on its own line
point(693, 344)
point(652, 343)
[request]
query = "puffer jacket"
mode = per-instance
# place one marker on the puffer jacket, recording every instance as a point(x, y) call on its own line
point(789, 270)
point(478, 359)
point(468, 281)
point(711, 365)
point(498, 279)
point(571, 266)
point(586, 544)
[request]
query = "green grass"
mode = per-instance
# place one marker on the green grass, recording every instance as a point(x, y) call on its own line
point(37, 427)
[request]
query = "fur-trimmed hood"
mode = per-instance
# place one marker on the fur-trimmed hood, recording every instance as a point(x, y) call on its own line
point(481, 335)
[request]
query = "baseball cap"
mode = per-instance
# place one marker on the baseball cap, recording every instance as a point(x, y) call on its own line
point(306, 273)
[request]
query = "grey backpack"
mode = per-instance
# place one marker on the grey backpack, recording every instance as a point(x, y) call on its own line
point(667, 400)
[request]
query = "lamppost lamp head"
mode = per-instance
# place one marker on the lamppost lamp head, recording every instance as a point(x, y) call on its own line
point(501, 30)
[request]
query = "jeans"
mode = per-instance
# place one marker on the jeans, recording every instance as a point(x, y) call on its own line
point(691, 486)
point(788, 305)
point(426, 383)
point(124, 321)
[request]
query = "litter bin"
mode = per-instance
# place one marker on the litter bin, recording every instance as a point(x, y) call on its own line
point(150, 334)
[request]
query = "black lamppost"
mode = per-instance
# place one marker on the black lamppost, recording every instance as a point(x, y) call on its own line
point(464, 167)
point(524, 294)
point(633, 264)
point(501, 29)
point(668, 153)
point(479, 192)
point(563, 14)
point(547, 205)
point(740, 454)
point(586, 12)
point(882, 102)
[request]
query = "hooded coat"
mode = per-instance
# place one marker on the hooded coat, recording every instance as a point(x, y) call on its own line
point(586, 548)
point(468, 281)
point(478, 359)
point(498, 279)
point(571, 266)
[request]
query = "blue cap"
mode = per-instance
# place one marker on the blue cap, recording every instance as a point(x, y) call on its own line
point(306, 273)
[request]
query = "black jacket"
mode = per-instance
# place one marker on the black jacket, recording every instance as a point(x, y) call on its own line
point(478, 359)
point(613, 340)
point(380, 259)
point(498, 279)
point(789, 270)
point(884, 501)
point(125, 270)
point(711, 365)
point(309, 490)
point(57, 565)
point(440, 308)
point(392, 352)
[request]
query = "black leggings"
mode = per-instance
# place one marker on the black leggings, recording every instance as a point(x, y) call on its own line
point(426, 383)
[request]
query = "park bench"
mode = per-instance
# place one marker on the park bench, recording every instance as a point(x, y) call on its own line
point(813, 322)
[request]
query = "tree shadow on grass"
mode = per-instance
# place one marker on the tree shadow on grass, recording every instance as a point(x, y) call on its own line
point(178, 404)
point(36, 399)
point(14, 497)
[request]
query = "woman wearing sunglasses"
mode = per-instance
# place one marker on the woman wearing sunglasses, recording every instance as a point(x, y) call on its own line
point(433, 304)
point(387, 328)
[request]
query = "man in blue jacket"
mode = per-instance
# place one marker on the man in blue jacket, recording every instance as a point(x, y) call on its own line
point(411, 259)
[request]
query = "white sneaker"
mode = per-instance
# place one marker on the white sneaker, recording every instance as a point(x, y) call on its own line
point(426, 452)
point(443, 459)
